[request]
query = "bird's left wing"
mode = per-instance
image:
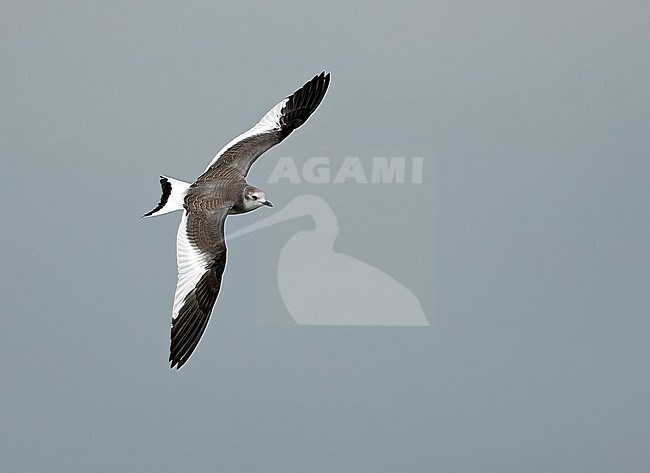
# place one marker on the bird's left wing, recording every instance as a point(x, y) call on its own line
point(201, 259)
point(274, 127)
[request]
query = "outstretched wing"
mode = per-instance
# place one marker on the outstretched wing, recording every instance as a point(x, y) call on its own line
point(201, 259)
point(274, 127)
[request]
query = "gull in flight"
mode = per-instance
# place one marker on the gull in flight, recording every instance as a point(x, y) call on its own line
point(221, 190)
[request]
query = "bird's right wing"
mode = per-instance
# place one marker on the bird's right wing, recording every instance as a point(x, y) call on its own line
point(274, 127)
point(201, 259)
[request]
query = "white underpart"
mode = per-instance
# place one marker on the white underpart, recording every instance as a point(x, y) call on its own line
point(192, 265)
point(269, 122)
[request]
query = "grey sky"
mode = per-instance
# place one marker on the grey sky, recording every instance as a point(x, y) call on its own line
point(526, 244)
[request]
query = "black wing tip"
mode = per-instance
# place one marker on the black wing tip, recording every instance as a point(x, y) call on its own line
point(312, 92)
point(317, 86)
point(303, 102)
point(324, 75)
point(176, 361)
point(192, 320)
point(184, 343)
point(179, 355)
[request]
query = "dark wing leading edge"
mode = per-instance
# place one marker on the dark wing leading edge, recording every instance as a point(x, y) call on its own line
point(201, 258)
point(274, 127)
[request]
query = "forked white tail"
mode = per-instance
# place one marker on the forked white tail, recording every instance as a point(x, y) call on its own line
point(173, 195)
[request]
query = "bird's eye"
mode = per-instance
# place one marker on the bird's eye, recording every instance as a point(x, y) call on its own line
point(254, 197)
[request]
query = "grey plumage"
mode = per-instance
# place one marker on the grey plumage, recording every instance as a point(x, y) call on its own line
point(221, 190)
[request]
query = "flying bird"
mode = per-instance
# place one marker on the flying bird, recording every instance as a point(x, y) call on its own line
point(220, 191)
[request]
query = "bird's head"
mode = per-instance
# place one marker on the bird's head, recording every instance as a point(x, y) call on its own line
point(255, 198)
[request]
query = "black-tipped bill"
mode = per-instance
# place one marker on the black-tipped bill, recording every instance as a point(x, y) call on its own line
point(267, 203)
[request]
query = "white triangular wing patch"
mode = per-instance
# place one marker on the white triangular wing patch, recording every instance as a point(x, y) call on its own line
point(192, 265)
